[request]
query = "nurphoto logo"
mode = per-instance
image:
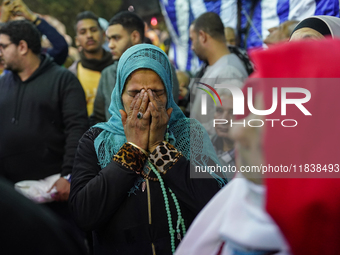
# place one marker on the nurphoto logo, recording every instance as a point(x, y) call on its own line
point(239, 103)
point(204, 97)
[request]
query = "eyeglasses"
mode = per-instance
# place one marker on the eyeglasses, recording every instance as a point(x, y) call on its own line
point(4, 46)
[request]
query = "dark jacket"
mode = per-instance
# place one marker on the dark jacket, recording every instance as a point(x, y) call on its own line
point(59, 50)
point(41, 122)
point(134, 223)
point(37, 229)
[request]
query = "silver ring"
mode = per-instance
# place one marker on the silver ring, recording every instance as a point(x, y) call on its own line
point(139, 115)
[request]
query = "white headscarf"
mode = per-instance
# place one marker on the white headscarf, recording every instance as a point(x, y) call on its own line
point(332, 23)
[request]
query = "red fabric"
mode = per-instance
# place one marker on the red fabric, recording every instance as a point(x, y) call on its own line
point(221, 249)
point(306, 210)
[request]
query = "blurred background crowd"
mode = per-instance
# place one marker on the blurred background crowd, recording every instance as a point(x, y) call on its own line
point(68, 74)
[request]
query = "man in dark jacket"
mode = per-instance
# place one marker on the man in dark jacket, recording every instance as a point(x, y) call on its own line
point(42, 111)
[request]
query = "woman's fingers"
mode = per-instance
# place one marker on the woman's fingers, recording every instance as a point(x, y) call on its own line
point(137, 122)
point(138, 103)
point(158, 104)
point(137, 110)
point(132, 105)
point(159, 119)
point(124, 116)
point(145, 102)
point(154, 112)
point(147, 114)
point(143, 114)
point(160, 116)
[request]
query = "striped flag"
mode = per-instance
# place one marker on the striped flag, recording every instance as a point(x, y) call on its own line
point(258, 16)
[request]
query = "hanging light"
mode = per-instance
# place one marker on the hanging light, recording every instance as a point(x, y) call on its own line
point(154, 22)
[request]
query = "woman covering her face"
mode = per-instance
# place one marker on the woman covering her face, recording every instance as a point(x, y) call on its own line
point(131, 180)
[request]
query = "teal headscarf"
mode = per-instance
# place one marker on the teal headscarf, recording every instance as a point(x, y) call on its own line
point(181, 129)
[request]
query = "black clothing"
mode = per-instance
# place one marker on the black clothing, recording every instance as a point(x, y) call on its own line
point(41, 122)
point(59, 50)
point(136, 223)
point(28, 228)
point(96, 64)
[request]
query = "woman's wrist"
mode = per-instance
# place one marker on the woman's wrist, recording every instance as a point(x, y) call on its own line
point(164, 156)
point(141, 149)
point(128, 152)
point(153, 148)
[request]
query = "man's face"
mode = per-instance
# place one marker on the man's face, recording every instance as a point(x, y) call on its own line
point(89, 35)
point(119, 40)
point(9, 55)
point(195, 44)
point(224, 111)
point(276, 35)
point(230, 36)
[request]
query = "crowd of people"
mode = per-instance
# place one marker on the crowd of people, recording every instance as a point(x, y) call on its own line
point(109, 141)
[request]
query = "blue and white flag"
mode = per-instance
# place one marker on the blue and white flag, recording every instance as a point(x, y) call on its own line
point(259, 16)
point(270, 13)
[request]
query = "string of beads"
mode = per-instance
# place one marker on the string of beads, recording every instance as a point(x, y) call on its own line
point(180, 220)
point(146, 176)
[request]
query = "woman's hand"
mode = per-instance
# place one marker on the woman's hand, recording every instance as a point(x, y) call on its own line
point(159, 120)
point(63, 190)
point(137, 130)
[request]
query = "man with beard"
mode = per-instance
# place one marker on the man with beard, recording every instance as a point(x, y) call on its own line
point(43, 113)
point(220, 65)
point(93, 58)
